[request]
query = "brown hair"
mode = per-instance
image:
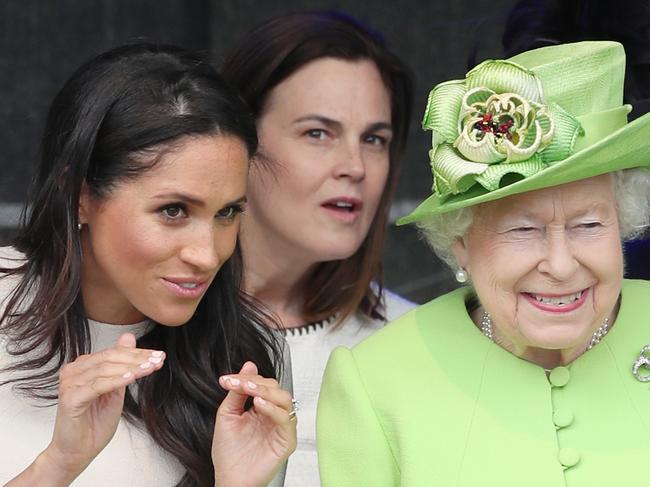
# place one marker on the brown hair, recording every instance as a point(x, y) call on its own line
point(272, 52)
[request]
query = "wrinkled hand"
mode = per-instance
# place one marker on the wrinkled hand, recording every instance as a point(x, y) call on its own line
point(91, 398)
point(249, 447)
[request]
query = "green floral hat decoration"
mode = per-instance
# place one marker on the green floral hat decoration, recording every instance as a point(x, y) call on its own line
point(542, 118)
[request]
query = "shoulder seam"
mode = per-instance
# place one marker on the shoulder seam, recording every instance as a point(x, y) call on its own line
point(374, 410)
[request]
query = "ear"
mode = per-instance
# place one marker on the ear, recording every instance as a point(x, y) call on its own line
point(461, 252)
point(84, 203)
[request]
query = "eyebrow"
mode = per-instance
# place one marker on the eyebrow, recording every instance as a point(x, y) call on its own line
point(192, 200)
point(597, 208)
point(593, 208)
point(334, 124)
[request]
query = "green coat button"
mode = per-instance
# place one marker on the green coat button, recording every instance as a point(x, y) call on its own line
point(568, 457)
point(559, 376)
point(562, 418)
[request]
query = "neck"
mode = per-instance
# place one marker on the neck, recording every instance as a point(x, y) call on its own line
point(546, 358)
point(275, 277)
point(101, 301)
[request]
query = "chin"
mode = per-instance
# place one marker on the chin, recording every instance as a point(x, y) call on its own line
point(172, 318)
point(556, 341)
point(332, 255)
point(333, 249)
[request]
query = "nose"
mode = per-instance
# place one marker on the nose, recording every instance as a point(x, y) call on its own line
point(559, 261)
point(200, 250)
point(351, 164)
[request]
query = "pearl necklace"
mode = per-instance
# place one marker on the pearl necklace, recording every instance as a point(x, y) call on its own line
point(486, 329)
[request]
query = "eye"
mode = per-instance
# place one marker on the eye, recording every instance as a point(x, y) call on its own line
point(587, 227)
point(376, 140)
point(174, 211)
point(523, 230)
point(230, 212)
point(318, 134)
point(590, 225)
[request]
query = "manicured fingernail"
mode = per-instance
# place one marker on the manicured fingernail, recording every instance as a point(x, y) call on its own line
point(155, 360)
point(260, 400)
point(127, 375)
point(251, 385)
point(145, 365)
point(233, 381)
point(156, 353)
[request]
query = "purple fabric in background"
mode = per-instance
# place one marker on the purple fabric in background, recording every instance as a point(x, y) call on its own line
point(637, 259)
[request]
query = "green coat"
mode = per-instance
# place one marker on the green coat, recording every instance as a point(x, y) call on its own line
point(429, 401)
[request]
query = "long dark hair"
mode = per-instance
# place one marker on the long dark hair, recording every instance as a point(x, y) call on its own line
point(268, 55)
point(128, 100)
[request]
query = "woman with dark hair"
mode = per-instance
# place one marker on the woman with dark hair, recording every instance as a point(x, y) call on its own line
point(332, 106)
point(122, 273)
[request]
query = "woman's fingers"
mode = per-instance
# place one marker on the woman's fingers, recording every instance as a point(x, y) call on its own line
point(107, 378)
point(134, 356)
point(126, 340)
point(276, 396)
point(129, 371)
point(284, 423)
point(138, 366)
point(277, 414)
point(233, 403)
point(256, 386)
point(243, 379)
point(123, 351)
point(249, 368)
point(275, 401)
point(81, 396)
point(91, 376)
point(248, 372)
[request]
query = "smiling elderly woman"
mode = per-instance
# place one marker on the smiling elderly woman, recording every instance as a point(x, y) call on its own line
point(536, 374)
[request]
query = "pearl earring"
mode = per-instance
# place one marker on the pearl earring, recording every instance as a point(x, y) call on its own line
point(79, 225)
point(461, 275)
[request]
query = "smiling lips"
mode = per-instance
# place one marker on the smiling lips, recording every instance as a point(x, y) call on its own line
point(185, 288)
point(557, 303)
point(344, 208)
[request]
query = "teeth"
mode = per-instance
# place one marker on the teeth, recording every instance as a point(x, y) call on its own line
point(558, 300)
point(189, 285)
point(343, 204)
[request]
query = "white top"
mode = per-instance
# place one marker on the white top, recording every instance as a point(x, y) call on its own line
point(131, 458)
point(310, 347)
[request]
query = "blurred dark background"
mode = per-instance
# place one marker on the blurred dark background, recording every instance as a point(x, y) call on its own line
point(41, 43)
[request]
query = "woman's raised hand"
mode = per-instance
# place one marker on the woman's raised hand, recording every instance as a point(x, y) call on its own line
point(250, 446)
point(91, 398)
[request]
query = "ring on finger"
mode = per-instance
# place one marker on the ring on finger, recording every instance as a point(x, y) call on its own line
point(295, 407)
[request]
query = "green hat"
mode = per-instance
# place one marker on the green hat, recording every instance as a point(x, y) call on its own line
point(539, 119)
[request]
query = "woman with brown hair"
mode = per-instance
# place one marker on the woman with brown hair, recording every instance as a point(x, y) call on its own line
point(332, 106)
